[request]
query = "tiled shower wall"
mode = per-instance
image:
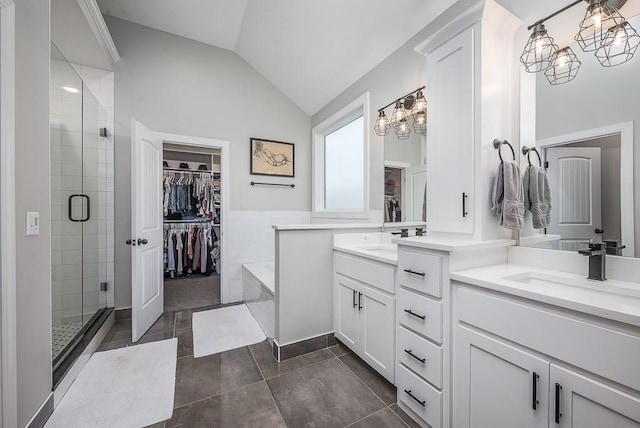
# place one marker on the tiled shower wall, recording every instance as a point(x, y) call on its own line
point(251, 238)
point(68, 165)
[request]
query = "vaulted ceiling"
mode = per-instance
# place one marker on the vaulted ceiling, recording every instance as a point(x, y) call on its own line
point(311, 50)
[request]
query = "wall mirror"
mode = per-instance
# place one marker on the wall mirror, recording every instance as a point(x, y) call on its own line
point(587, 132)
point(405, 177)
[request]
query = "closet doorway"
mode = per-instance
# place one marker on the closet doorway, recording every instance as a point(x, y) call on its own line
point(150, 261)
point(192, 214)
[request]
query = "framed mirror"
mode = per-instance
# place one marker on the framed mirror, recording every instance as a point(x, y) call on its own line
point(405, 177)
point(587, 132)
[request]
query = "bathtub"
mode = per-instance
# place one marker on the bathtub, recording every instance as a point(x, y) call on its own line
point(258, 292)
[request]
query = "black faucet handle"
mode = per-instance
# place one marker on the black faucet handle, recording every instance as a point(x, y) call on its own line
point(595, 247)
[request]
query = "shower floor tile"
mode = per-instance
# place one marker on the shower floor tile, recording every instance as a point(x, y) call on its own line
point(62, 335)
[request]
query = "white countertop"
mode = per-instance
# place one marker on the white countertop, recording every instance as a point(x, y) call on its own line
point(451, 244)
point(326, 226)
point(611, 299)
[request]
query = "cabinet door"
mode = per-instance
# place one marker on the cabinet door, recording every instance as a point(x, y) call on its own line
point(450, 134)
point(497, 385)
point(378, 332)
point(347, 312)
point(578, 401)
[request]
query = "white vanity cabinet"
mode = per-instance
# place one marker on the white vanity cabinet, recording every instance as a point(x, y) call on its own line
point(420, 333)
point(364, 313)
point(525, 364)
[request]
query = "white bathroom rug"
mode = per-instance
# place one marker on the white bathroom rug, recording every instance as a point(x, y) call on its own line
point(223, 329)
point(125, 387)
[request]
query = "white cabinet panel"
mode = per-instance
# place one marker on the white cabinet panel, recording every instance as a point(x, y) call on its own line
point(450, 134)
point(586, 403)
point(420, 355)
point(378, 319)
point(420, 314)
point(371, 273)
point(347, 316)
point(419, 396)
point(420, 272)
point(498, 385)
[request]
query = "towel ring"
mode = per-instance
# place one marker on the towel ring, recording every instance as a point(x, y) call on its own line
point(527, 152)
point(497, 144)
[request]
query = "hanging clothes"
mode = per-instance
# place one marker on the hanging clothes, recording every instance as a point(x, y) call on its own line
point(191, 248)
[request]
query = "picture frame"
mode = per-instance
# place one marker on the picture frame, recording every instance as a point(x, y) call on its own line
point(272, 158)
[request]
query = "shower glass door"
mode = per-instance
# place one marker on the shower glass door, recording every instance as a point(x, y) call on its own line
point(82, 212)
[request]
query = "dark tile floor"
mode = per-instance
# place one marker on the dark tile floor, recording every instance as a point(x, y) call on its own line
point(247, 387)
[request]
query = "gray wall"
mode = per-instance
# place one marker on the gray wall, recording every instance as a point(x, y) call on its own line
point(597, 97)
point(399, 73)
point(172, 84)
point(33, 264)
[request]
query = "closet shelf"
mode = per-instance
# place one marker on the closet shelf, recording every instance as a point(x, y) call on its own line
point(195, 220)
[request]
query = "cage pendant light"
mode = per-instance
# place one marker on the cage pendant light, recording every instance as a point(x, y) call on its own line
point(399, 114)
point(564, 67)
point(403, 129)
point(599, 18)
point(618, 46)
point(538, 51)
point(382, 125)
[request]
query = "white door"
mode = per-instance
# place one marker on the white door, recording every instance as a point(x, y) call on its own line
point(378, 332)
point(574, 181)
point(347, 316)
point(146, 234)
point(417, 182)
point(581, 402)
point(498, 385)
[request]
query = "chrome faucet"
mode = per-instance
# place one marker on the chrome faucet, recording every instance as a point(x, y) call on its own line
point(597, 261)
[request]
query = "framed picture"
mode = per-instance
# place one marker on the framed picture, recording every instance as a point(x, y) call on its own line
point(272, 158)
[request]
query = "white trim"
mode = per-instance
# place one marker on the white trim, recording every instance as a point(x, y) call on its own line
point(225, 186)
point(359, 106)
point(395, 164)
point(99, 28)
point(8, 355)
point(627, 210)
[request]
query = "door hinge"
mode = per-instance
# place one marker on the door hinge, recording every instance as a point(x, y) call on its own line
point(546, 165)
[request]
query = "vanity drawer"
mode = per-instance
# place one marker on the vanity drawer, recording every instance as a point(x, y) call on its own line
point(368, 271)
point(420, 355)
point(419, 396)
point(421, 272)
point(420, 313)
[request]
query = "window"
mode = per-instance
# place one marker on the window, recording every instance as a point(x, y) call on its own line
point(340, 187)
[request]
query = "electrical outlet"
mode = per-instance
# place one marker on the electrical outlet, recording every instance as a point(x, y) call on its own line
point(365, 237)
point(32, 223)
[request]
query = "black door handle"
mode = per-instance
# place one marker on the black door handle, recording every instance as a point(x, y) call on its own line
point(534, 401)
point(359, 301)
point(143, 241)
point(420, 402)
point(558, 414)
point(464, 204)
point(410, 312)
point(422, 360)
point(130, 242)
point(413, 272)
point(70, 208)
point(599, 231)
point(354, 298)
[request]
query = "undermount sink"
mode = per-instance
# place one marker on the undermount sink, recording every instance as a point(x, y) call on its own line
point(387, 250)
point(540, 279)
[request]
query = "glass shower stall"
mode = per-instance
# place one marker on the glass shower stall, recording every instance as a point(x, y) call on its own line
point(81, 153)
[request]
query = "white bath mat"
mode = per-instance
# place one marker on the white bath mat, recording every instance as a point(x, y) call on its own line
point(223, 329)
point(125, 387)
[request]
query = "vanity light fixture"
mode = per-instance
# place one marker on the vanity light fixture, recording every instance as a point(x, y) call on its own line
point(564, 67)
point(603, 30)
point(413, 105)
point(601, 15)
point(539, 50)
point(618, 46)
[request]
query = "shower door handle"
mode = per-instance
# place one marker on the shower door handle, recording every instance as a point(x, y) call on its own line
point(70, 207)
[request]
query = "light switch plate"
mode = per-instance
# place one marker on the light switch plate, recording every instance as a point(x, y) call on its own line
point(32, 223)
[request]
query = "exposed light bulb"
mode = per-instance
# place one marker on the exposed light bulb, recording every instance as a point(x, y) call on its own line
point(620, 38)
point(597, 17)
point(539, 45)
point(561, 62)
